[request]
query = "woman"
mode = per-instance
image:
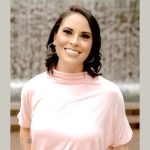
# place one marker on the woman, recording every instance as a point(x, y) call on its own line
point(71, 106)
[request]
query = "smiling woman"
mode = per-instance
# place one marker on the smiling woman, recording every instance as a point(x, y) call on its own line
point(76, 30)
point(71, 106)
point(73, 43)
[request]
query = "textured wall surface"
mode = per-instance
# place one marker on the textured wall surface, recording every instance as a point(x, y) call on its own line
point(32, 20)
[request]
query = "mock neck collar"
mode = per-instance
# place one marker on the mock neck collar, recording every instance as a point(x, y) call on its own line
point(67, 77)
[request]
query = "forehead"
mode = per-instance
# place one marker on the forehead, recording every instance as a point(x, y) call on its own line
point(76, 20)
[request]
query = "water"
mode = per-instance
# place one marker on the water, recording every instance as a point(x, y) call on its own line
point(31, 22)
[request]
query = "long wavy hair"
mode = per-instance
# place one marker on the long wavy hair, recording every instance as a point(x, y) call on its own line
point(92, 65)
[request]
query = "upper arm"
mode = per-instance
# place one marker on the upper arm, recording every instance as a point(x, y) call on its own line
point(121, 147)
point(24, 132)
point(122, 132)
point(24, 114)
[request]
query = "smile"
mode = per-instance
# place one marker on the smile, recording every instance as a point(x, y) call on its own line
point(72, 52)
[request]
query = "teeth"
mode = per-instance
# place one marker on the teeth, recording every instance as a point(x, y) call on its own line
point(72, 52)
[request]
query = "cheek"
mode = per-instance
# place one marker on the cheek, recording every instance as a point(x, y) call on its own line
point(60, 41)
point(87, 46)
point(59, 44)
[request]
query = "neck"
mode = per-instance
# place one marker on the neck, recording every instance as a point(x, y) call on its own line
point(69, 68)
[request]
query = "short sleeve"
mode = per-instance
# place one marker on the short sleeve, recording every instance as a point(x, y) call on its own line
point(24, 114)
point(122, 132)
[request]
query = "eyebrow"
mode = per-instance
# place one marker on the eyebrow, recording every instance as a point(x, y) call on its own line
point(84, 32)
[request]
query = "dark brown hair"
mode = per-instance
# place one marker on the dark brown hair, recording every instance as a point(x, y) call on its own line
point(92, 64)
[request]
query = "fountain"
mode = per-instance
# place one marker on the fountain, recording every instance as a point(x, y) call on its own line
point(31, 22)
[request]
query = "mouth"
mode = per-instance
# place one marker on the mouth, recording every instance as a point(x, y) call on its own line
point(72, 52)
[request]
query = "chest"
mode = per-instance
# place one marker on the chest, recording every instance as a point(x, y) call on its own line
point(70, 111)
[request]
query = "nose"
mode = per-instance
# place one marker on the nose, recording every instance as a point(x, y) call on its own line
point(74, 40)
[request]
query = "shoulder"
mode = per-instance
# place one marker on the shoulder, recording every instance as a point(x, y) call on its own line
point(111, 86)
point(107, 84)
point(35, 82)
point(111, 90)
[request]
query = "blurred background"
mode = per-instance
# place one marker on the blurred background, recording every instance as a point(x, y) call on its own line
point(31, 22)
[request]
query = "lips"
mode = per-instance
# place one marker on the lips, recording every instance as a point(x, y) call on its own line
point(72, 52)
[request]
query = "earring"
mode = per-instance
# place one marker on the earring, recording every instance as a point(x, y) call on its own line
point(50, 49)
point(91, 60)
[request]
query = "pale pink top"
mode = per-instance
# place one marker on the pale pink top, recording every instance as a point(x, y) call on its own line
point(73, 111)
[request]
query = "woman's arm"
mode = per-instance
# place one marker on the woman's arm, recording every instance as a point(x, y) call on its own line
point(25, 138)
point(122, 147)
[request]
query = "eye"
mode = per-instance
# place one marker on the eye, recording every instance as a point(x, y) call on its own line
point(67, 32)
point(85, 36)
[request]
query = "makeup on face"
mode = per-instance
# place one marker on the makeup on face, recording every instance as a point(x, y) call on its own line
point(84, 34)
point(73, 40)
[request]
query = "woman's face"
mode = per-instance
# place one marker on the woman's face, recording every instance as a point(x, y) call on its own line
point(73, 43)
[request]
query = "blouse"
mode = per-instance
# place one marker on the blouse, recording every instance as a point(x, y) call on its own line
point(73, 111)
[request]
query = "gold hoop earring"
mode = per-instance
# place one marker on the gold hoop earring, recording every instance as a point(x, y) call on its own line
point(50, 49)
point(91, 60)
